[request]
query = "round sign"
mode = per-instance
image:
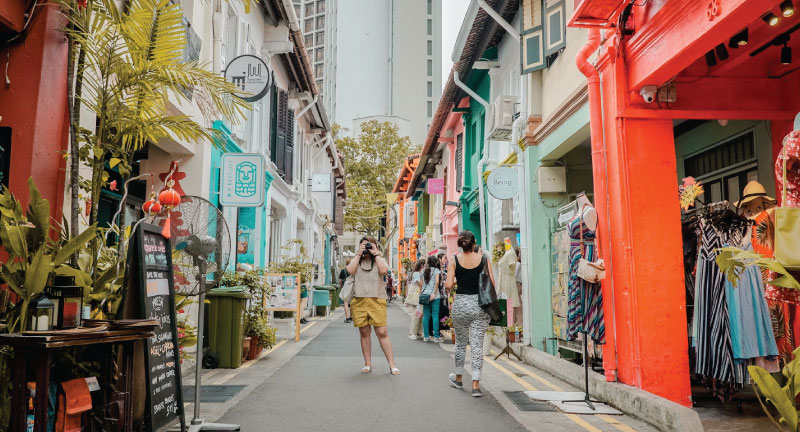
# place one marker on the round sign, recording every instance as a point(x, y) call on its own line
point(251, 75)
point(502, 183)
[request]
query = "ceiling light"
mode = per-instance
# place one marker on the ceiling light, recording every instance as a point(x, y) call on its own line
point(770, 19)
point(711, 59)
point(787, 8)
point(722, 52)
point(786, 55)
point(740, 39)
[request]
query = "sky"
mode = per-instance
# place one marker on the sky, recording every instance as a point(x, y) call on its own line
point(452, 15)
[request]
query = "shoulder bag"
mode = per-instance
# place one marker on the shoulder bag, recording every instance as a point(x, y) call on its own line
point(349, 288)
point(787, 228)
point(590, 271)
point(487, 296)
point(427, 290)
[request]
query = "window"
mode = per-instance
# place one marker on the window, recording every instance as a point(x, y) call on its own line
point(319, 54)
point(430, 47)
point(430, 109)
point(320, 22)
point(319, 85)
point(430, 7)
point(282, 142)
point(309, 39)
point(430, 67)
point(321, 38)
point(321, 6)
point(459, 160)
point(318, 70)
point(309, 9)
point(309, 26)
point(430, 27)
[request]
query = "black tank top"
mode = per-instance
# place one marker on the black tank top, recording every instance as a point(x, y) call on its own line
point(467, 279)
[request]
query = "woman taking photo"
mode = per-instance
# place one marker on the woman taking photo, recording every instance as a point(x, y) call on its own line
point(470, 321)
point(368, 307)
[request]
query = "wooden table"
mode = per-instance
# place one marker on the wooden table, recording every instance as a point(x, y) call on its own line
point(38, 350)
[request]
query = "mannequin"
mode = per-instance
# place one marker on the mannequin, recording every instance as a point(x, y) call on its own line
point(587, 211)
point(506, 282)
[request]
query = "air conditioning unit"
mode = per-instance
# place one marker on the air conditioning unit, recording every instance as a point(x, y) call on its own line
point(502, 118)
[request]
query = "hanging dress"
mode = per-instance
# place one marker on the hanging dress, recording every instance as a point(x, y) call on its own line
point(585, 299)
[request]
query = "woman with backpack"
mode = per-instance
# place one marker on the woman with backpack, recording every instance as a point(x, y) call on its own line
point(470, 321)
point(429, 299)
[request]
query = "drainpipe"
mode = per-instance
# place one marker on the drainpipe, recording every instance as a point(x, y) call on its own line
point(497, 17)
point(482, 162)
point(601, 198)
point(307, 107)
point(524, 227)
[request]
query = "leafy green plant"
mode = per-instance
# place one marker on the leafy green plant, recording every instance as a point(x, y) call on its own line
point(257, 324)
point(732, 261)
point(783, 398)
point(292, 262)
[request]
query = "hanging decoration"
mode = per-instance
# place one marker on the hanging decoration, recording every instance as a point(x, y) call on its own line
point(170, 199)
point(152, 207)
point(689, 191)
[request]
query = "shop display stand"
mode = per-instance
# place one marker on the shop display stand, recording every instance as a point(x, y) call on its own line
point(586, 398)
point(508, 350)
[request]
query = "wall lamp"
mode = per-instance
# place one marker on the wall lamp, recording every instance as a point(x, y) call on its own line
point(740, 39)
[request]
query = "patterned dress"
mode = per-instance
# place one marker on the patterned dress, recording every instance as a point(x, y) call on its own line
point(585, 299)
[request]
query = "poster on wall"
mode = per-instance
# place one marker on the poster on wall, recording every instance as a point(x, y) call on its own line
point(284, 295)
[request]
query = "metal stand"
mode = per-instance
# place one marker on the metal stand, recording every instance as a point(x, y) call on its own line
point(508, 350)
point(586, 397)
point(197, 423)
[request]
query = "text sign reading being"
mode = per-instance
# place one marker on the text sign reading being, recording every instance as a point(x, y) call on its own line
point(251, 75)
point(242, 180)
point(502, 183)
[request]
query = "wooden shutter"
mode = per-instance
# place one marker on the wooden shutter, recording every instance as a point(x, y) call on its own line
point(532, 47)
point(459, 160)
point(273, 123)
point(281, 133)
point(555, 26)
point(289, 151)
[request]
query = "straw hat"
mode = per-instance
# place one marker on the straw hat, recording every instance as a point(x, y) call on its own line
point(752, 191)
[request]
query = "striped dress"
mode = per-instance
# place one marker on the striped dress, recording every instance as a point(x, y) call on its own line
point(585, 300)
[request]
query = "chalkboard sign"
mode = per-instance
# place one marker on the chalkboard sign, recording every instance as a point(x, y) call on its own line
point(162, 359)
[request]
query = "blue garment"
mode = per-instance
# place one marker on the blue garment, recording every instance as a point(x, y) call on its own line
point(430, 314)
point(750, 323)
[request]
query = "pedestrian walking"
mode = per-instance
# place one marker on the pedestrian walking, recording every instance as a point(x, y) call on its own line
point(368, 307)
point(430, 299)
point(343, 277)
point(389, 286)
point(470, 321)
point(412, 299)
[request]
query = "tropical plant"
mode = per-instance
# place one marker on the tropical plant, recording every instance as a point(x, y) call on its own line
point(257, 325)
point(292, 262)
point(732, 260)
point(783, 398)
point(130, 69)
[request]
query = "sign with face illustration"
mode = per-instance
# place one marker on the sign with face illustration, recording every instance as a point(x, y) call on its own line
point(242, 180)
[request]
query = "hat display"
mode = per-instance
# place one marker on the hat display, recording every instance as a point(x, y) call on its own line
point(754, 190)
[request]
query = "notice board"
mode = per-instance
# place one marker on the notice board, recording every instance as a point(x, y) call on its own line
point(154, 278)
point(284, 296)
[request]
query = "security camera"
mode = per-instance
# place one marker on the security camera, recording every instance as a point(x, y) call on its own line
point(649, 93)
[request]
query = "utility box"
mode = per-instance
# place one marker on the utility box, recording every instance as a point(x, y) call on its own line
point(552, 179)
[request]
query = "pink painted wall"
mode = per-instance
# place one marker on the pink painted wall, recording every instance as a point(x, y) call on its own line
point(450, 215)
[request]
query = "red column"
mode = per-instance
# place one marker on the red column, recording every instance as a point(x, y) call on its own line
point(648, 293)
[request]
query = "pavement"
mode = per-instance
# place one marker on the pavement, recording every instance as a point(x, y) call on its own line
point(316, 385)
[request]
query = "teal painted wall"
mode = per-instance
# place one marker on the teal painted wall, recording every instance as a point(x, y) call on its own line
point(474, 127)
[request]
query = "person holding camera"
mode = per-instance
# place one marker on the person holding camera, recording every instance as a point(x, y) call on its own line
point(368, 307)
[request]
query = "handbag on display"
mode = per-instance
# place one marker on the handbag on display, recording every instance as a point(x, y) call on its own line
point(590, 271)
point(487, 296)
point(787, 229)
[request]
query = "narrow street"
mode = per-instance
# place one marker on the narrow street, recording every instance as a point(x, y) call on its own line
point(321, 388)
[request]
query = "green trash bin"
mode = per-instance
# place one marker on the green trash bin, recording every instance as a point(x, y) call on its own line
point(226, 324)
point(336, 293)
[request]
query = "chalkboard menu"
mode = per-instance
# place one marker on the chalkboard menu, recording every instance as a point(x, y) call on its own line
point(162, 359)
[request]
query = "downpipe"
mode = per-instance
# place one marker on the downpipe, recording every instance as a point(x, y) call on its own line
point(524, 227)
point(481, 163)
point(601, 199)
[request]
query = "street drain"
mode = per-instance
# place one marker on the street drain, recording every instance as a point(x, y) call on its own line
point(212, 393)
point(524, 403)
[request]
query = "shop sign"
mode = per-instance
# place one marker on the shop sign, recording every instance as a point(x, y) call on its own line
point(435, 186)
point(242, 180)
point(321, 182)
point(251, 75)
point(502, 183)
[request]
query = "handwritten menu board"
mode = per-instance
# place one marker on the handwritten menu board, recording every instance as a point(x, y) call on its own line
point(284, 296)
point(162, 360)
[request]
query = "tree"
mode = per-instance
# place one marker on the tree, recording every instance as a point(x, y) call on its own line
point(371, 160)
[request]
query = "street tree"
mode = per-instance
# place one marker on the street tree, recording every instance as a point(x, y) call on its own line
point(372, 159)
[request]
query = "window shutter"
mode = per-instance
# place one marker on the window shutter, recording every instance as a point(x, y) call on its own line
point(555, 26)
point(289, 153)
point(532, 46)
point(281, 134)
point(273, 123)
point(459, 160)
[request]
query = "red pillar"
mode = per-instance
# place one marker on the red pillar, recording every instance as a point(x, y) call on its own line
point(647, 291)
point(34, 106)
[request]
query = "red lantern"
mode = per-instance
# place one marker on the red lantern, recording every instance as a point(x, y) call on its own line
point(151, 206)
point(169, 199)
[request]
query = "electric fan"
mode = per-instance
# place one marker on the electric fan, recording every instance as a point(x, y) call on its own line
point(201, 247)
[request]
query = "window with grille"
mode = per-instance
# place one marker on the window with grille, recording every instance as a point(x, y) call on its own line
point(430, 47)
point(430, 89)
point(321, 22)
point(430, 27)
point(738, 150)
point(309, 25)
point(430, 67)
point(321, 6)
point(459, 160)
point(320, 38)
point(309, 40)
point(319, 55)
point(430, 7)
point(309, 9)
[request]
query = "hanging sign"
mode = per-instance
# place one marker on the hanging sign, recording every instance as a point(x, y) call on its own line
point(435, 186)
point(242, 180)
point(502, 183)
point(251, 75)
point(153, 255)
point(321, 182)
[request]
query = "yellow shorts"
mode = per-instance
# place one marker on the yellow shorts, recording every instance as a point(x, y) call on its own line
point(368, 311)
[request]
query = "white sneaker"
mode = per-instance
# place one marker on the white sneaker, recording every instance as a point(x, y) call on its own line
point(427, 339)
point(438, 340)
point(412, 337)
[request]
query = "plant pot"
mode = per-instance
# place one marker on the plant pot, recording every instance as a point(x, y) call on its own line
point(255, 350)
point(246, 347)
point(511, 337)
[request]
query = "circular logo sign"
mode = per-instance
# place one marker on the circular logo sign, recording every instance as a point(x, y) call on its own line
point(251, 75)
point(502, 183)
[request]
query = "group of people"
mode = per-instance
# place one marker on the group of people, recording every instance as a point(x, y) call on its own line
point(433, 279)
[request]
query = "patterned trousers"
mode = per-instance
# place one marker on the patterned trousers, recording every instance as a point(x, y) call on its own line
point(470, 322)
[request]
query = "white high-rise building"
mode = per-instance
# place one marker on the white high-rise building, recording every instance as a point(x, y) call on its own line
point(318, 22)
point(388, 63)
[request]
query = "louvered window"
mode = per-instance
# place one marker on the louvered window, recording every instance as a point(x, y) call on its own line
point(282, 143)
point(459, 160)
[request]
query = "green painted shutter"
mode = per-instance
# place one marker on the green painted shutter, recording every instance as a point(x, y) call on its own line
point(555, 26)
point(532, 47)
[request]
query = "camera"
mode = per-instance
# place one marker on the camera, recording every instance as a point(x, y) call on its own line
point(649, 93)
point(368, 246)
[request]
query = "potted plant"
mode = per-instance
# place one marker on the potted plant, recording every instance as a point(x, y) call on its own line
point(515, 333)
point(447, 321)
point(262, 336)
